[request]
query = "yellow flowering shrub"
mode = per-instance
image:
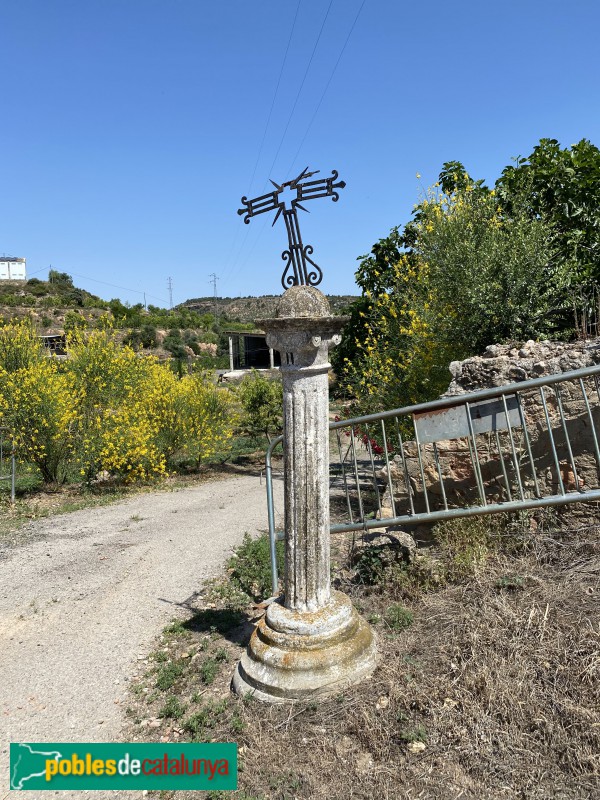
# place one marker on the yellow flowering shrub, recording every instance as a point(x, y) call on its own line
point(106, 408)
point(127, 444)
point(397, 358)
point(20, 347)
point(191, 417)
point(209, 419)
point(39, 408)
point(164, 406)
point(109, 380)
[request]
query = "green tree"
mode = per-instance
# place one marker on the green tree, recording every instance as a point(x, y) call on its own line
point(60, 280)
point(74, 322)
point(144, 337)
point(562, 187)
point(493, 274)
point(261, 400)
point(463, 273)
point(175, 344)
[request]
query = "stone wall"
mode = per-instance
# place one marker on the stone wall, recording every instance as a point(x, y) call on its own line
point(503, 364)
point(498, 366)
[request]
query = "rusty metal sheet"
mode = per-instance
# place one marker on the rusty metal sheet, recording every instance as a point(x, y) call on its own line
point(452, 423)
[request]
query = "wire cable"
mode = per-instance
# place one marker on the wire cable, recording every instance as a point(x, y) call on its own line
point(312, 119)
point(260, 149)
point(312, 55)
point(234, 268)
point(114, 286)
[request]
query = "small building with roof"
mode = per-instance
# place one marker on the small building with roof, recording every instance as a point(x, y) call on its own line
point(13, 268)
point(249, 350)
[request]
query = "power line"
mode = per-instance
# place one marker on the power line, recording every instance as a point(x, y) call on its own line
point(114, 286)
point(234, 266)
point(312, 119)
point(274, 97)
point(170, 287)
point(312, 55)
point(260, 149)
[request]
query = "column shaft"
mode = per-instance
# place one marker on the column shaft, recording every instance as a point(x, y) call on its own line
point(306, 475)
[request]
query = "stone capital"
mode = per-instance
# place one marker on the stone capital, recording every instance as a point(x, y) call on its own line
point(303, 343)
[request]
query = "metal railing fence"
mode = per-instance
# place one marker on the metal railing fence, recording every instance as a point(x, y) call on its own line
point(510, 448)
point(7, 462)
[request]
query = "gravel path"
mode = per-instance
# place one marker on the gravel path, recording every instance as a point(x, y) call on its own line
point(83, 598)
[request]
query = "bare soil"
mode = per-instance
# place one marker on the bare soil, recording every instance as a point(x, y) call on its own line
point(487, 685)
point(83, 595)
point(491, 692)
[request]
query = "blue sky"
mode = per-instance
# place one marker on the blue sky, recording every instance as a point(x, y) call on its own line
point(131, 128)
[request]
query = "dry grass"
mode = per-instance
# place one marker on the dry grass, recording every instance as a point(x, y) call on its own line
point(492, 692)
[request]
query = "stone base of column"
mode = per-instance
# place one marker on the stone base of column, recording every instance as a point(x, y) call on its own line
point(296, 655)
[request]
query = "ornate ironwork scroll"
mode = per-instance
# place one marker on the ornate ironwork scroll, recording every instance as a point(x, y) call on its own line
point(300, 268)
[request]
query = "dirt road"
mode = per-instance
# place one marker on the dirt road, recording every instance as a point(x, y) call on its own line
point(85, 594)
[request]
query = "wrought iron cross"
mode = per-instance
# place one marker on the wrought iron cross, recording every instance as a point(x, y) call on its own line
point(298, 255)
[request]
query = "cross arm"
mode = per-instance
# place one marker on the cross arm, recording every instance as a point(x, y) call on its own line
point(266, 202)
point(323, 187)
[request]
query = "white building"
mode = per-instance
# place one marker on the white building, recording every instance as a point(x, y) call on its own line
point(13, 269)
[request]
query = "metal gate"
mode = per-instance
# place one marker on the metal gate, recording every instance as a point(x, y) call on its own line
point(521, 446)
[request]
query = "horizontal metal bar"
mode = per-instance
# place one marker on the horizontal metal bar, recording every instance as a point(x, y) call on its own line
point(470, 397)
point(453, 513)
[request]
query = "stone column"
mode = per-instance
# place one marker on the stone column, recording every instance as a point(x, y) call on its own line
point(231, 352)
point(311, 640)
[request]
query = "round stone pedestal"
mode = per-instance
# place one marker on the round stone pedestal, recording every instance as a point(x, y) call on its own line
point(294, 655)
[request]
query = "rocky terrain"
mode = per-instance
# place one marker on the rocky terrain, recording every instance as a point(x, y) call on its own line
point(506, 363)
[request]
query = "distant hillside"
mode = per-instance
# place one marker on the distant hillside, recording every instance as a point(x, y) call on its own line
point(189, 331)
point(47, 303)
point(249, 309)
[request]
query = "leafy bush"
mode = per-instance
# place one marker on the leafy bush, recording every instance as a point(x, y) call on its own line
point(208, 671)
point(172, 709)
point(143, 337)
point(60, 280)
point(20, 347)
point(168, 675)
point(209, 337)
point(175, 344)
point(475, 266)
point(471, 276)
point(261, 401)
point(250, 566)
point(36, 287)
point(74, 322)
point(191, 417)
point(466, 543)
